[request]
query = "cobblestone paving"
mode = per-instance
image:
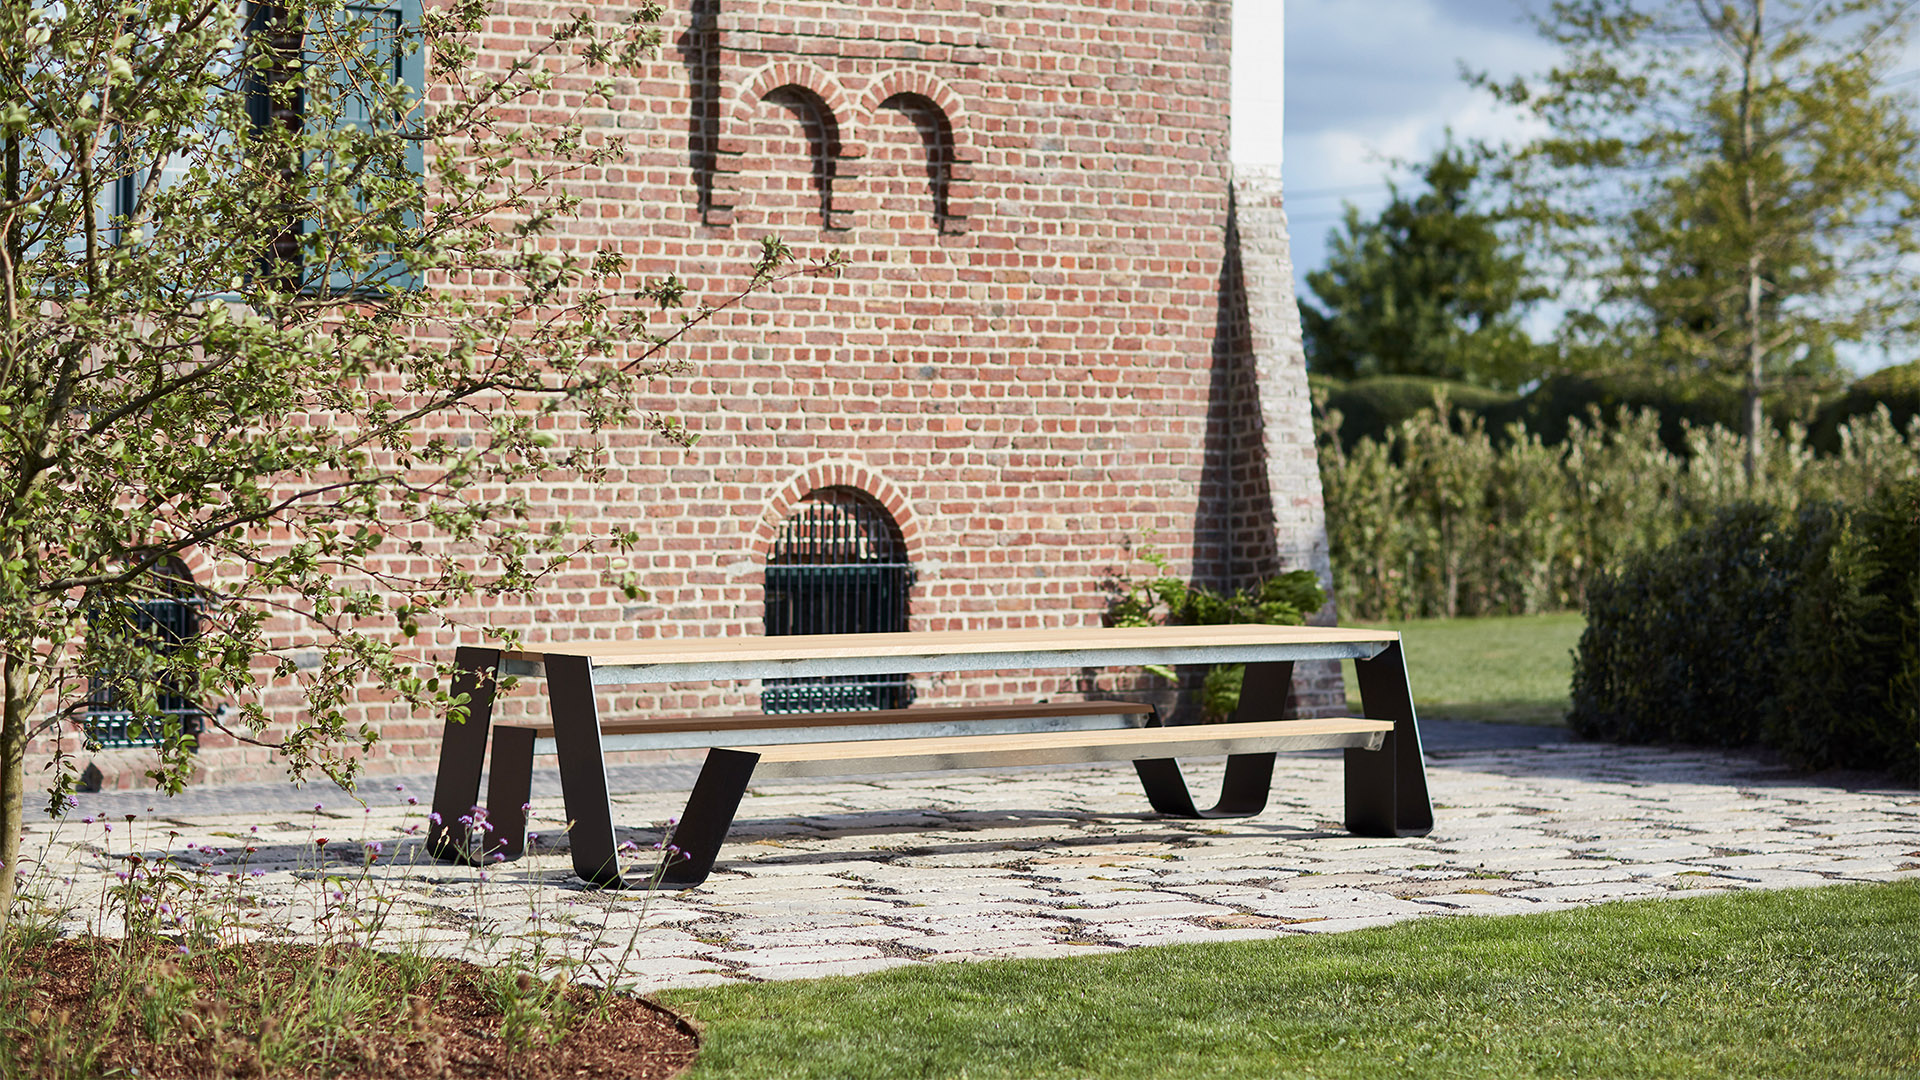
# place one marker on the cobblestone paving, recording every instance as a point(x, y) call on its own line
point(826, 878)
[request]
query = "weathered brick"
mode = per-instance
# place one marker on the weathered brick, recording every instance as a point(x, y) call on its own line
point(1054, 339)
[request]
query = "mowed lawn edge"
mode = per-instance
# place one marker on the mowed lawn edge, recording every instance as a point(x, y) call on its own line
point(1500, 668)
point(1791, 983)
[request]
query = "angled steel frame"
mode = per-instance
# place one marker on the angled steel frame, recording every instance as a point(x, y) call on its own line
point(1386, 789)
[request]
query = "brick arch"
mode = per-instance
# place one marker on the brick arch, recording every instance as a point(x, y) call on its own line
point(838, 474)
point(737, 116)
point(963, 152)
point(919, 84)
point(815, 80)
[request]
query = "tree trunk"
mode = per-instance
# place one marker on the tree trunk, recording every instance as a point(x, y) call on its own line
point(1756, 411)
point(1756, 416)
point(15, 714)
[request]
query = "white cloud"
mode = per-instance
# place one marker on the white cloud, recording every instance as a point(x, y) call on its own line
point(1366, 82)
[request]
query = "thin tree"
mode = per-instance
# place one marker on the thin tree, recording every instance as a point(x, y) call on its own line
point(1736, 182)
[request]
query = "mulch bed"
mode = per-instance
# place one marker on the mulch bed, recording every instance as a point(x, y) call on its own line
point(449, 1027)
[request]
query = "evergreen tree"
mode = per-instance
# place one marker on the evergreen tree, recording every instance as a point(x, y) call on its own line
point(1430, 287)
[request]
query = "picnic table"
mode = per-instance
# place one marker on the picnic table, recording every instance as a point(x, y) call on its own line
point(1386, 786)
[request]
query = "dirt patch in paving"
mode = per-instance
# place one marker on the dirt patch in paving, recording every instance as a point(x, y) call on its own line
point(67, 1012)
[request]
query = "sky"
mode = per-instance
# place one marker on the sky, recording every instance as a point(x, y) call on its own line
point(1367, 82)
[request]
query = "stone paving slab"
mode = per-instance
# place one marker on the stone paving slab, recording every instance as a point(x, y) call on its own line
point(839, 877)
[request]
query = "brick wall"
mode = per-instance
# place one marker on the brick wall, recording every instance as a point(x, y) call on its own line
point(1040, 355)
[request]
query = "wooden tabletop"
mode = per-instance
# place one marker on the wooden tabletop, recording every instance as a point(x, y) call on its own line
point(758, 657)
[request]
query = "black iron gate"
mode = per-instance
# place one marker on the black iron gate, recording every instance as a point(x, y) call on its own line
point(839, 566)
point(165, 626)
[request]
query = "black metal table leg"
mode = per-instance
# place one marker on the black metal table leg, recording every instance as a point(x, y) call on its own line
point(509, 787)
point(583, 770)
point(463, 750)
point(709, 814)
point(1249, 777)
point(1387, 788)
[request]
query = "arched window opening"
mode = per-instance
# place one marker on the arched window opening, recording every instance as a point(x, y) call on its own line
point(797, 109)
point(141, 640)
point(936, 144)
point(839, 566)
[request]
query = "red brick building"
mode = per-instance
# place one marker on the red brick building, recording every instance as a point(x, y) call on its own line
point(1059, 335)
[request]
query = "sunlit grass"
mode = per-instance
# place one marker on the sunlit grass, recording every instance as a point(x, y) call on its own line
point(1814, 982)
point(1511, 669)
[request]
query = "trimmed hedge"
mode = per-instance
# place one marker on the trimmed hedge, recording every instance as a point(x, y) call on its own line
point(1897, 388)
point(1797, 631)
point(1372, 408)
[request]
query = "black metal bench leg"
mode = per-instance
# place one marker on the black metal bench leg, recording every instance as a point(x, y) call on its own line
point(583, 770)
point(1249, 777)
point(709, 814)
point(1387, 788)
point(463, 750)
point(509, 787)
point(1243, 791)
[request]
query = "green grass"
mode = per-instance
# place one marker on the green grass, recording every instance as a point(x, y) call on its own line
point(1798, 983)
point(1512, 669)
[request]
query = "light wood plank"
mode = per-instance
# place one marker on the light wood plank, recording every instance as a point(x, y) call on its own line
point(1064, 747)
point(646, 725)
point(689, 659)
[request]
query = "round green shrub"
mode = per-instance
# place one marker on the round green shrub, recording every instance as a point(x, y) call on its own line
point(1800, 632)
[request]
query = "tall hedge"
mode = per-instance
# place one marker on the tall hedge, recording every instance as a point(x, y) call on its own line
point(1795, 630)
point(1896, 389)
point(1371, 408)
point(1443, 518)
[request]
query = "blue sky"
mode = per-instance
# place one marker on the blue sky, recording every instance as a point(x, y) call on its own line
point(1366, 82)
point(1369, 82)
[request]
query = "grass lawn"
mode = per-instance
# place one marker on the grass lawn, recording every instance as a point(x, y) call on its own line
point(1814, 982)
point(1513, 669)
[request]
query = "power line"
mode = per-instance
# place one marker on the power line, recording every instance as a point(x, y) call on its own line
point(1333, 192)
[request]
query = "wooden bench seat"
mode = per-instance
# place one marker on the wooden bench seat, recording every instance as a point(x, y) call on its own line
point(517, 742)
point(1062, 747)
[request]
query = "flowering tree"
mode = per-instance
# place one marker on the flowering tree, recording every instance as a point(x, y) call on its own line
point(259, 264)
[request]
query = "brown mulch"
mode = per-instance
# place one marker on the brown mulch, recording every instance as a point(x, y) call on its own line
point(447, 1027)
